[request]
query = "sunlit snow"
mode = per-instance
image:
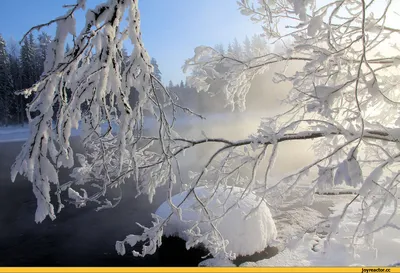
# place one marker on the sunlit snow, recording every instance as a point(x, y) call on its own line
point(245, 235)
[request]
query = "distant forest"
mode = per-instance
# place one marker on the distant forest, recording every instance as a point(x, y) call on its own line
point(22, 65)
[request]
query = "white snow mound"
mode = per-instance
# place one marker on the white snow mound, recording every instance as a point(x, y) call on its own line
point(216, 262)
point(309, 250)
point(245, 236)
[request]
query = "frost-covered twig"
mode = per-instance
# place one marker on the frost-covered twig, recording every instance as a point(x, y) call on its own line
point(344, 98)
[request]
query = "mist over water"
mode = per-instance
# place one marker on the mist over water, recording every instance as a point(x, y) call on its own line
point(236, 126)
point(265, 99)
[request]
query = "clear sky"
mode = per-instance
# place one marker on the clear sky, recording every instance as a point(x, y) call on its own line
point(171, 28)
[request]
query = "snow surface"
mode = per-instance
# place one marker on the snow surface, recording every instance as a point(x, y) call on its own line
point(245, 236)
point(14, 133)
point(19, 133)
point(309, 250)
point(217, 262)
point(295, 221)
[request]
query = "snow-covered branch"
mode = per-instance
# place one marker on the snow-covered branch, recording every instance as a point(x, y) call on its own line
point(90, 92)
point(345, 90)
point(344, 97)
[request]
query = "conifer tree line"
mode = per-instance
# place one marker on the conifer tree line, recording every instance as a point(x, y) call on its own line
point(214, 101)
point(20, 67)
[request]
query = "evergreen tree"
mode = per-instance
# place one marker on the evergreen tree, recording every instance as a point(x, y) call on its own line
point(220, 48)
point(67, 48)
point(237, 48)
point(6, 88)
point(258, 45)
point(247, 47)
point(36, 64)
point(170, 85)
point(182, 85)
point(41, 50)
point(157, 72)
point(28, 63)
point(15, 70)
point(230, 50)
point(15, 65)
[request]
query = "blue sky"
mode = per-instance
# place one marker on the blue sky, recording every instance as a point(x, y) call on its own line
point(171, 28)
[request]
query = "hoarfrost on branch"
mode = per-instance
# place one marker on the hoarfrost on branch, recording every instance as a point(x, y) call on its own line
point(345, 97)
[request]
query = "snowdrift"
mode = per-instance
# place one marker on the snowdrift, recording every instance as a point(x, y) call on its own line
point(246, 235)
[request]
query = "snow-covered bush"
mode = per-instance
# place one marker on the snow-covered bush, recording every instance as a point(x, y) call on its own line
point(246, 225)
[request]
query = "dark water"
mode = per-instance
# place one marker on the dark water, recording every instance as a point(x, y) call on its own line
point(81, 237)
point(78, 237)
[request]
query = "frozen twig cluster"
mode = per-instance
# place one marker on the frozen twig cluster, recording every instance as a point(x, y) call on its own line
point(345, 97)
point(89, 91)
